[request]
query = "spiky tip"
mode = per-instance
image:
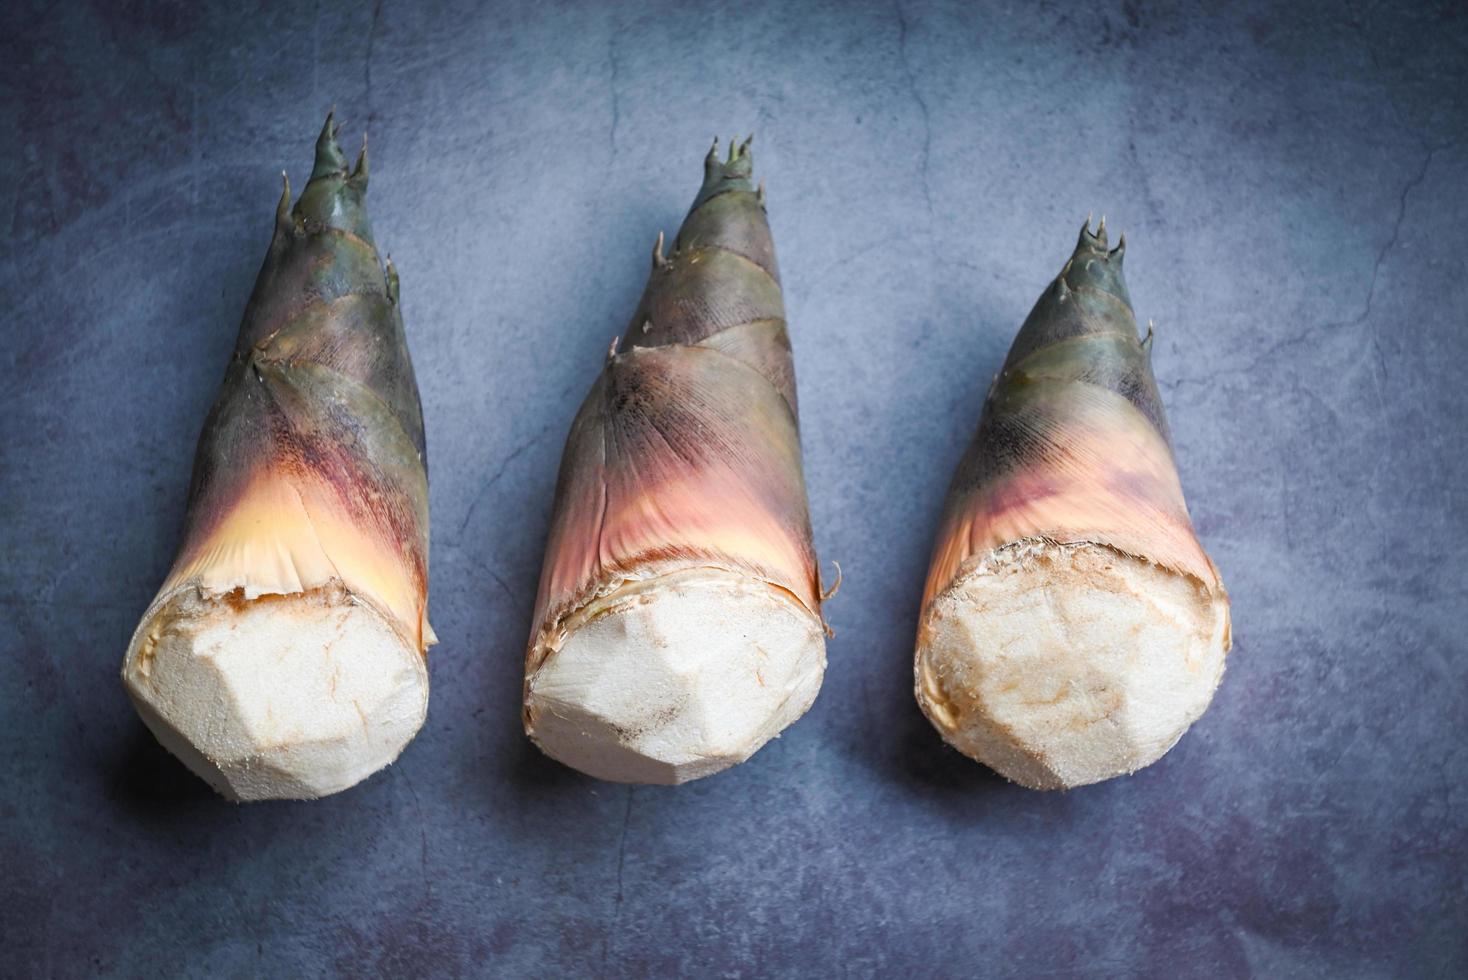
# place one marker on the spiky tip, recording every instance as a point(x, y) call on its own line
point(1093, 265)
point(1095, 242)
point(283, 221)
point(731, 173)
point(329, 156)
point(335, 195)
point(1092, 240)
point(359, 169)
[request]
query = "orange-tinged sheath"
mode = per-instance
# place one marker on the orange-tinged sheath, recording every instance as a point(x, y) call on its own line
point(686, 452)
point(1073, 445)
point(311, 465)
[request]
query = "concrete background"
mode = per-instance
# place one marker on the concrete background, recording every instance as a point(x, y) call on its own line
point(1291, 179)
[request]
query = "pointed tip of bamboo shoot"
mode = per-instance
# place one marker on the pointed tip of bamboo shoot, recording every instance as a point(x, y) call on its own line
point(329, 157)
point(335, 195)
point(283, 220)
point(282, 697)
point(733, 173)
point(360, 174)
point(675, 678)
point(738, 150)
point(1092, 241)
point(1092, 265)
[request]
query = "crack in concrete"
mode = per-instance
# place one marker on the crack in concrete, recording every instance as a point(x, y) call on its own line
point(614, 70)
point(315, 51)
point(367, 60)
point(1357, 26)
point(1139, 167)
point(422, 835)
point(621, 865)
point(498, 578)
point(515, 454)
point(1391, 243)
point(922, 104)
point(1311, 333)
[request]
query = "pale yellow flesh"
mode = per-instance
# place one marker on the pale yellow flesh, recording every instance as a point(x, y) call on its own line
point(676, 677)
point(279, 697)
point(1063, 665)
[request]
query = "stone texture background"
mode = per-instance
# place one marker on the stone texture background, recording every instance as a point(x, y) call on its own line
point(1291, 179)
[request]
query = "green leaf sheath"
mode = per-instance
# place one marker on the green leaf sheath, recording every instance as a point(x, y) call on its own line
point(721, 286)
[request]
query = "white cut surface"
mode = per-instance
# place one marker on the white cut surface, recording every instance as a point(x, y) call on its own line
point(676, 677)
point(279, 697)
point(1062, 665)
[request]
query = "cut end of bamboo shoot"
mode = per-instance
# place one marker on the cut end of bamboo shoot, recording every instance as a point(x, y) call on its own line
point(1060, 665)
point(278, 697)
point(676, 677)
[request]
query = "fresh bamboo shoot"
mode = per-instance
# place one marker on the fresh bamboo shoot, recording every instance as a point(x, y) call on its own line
point(283, 656)
point(1072, 625)
point(678, 624)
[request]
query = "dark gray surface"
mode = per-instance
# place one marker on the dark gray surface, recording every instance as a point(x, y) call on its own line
point(1291, 182)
